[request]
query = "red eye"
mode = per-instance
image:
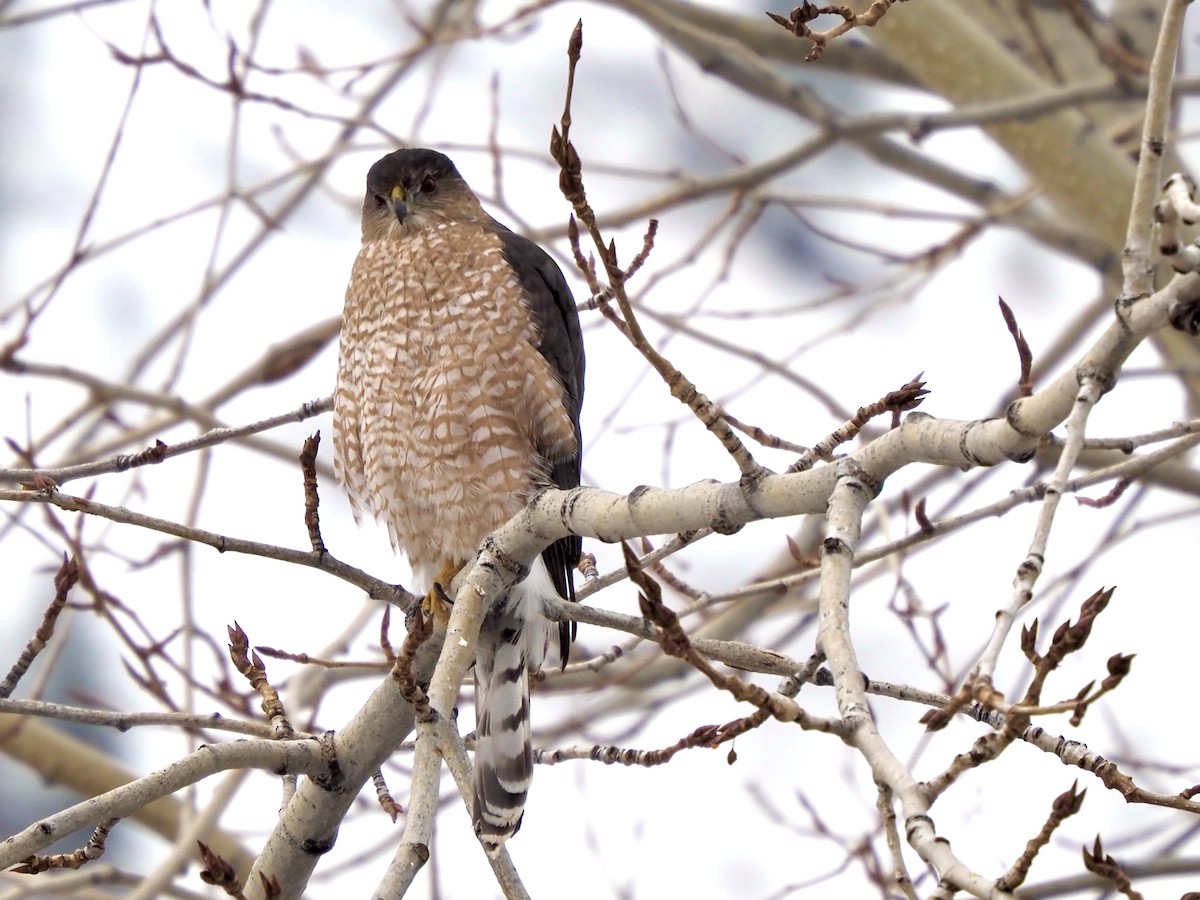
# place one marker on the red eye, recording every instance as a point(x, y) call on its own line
point(429, 185)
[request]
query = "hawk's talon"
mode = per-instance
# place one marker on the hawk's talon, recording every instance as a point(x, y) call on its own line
point(437, 602)
point(442, 595)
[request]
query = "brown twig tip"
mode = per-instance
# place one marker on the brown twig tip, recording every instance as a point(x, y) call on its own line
point(1065, 805)
point(707, 737)
point(937, 719)
point(64, 579)
point(570, 168)
point(922, 516)
point(1024, 354)
point(218, 871)
point(1029, 635)
point(1099, 863)
point(308, 466)
point(587, 567)
point(270, 885)
point(575, 44)
point(1119, 665)
point(384, 796)
point(1070, 637)
point(1068, 802)
point(1108, 499)
point(806, 560)
point(644, 253)
point(239, 645)
point(586, 265)
point(907, 398)
point(250, 665)
point(650, 600)
point(385, 641)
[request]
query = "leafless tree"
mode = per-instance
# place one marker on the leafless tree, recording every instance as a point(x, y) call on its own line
point(773, 219)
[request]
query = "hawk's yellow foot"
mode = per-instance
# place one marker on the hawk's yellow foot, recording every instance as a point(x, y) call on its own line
point(437, 602)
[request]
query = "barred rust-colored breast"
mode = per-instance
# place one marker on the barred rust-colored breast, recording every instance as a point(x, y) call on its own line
point(445, 409)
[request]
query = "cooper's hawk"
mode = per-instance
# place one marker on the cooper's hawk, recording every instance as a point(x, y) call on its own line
point(460, 377)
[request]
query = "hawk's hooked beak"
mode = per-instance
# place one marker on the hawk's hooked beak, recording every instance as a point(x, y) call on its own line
point(398, 200)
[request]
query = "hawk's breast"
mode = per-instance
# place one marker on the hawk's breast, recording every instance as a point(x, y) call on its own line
point(445, 411)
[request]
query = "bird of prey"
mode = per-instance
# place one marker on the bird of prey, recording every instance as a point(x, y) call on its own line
point(460, 379)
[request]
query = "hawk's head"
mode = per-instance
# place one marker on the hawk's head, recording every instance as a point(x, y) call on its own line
point(411, 189)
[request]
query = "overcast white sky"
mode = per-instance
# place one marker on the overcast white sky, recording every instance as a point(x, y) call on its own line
point(590, 831)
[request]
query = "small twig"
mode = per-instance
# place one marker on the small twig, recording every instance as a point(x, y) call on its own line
point(570, 181)
point(628, 756)
point(1068, 638)
point(123, 721)
point(306, 659)
point(251, 667)
point(887, 816)
point(420, 628)
point(668, 577)
point(92, 850)
point(1118, 667)
point(64, 580)
point(308, 465)
point(1024, 354)
point(384, 797)
point(1118, 489)
point(1100, 863)
point(761, 436)
point(909, 396)
point(1065, 805)
point(385, 642)
point(218, 871)
point(159, 451)
point(671, 637)
point(375, 589)
point(797, 22)
point(1092, 381)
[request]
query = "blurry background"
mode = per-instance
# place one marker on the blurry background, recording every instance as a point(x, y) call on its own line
point(179, 193)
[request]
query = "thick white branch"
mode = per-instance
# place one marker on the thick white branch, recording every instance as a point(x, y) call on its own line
point(307, 756)
point(308, 825)
point(1135, 261)
point(414, 849)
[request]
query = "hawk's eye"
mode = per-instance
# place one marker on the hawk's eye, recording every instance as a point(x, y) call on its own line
point(379, 200)
point(429, 185)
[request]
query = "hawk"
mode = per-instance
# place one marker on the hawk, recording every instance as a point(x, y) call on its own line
point(460, 379)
